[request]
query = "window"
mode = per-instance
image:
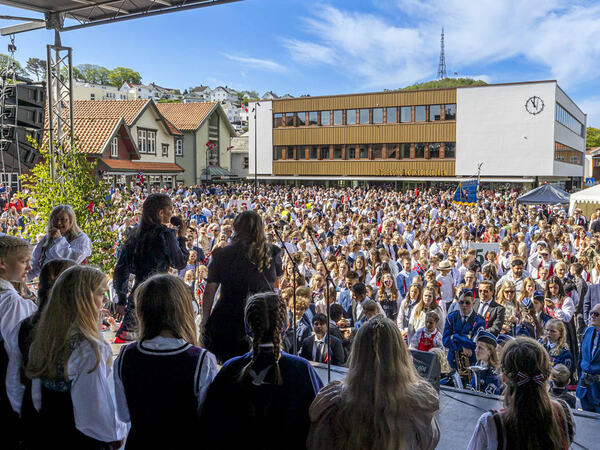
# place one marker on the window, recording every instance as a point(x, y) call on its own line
point(435, 113)
point(392, 115)
point(377, 115)
point(314, 153)
point(450, 150)
point(337, 152)
point(567, 154)
point(277, 120)
point(564, 117)
point(405, 114)
point(325, 118)
point(289, 153)
point(142, 143)
point(450, 111)
point(289, 120)
point(301, 152)
point(277, 153)
point(324, 152)
point(313, 118)
point(405, 151)
point(377, 151)
point(300, 119)
point(363, 152)
point(245, 163)
point(364, 116)
point(351, 152)
point(420, 113)
point(92, 96)
point(152, 142)
point(165, 150)
point(434, 151)
point(351, 117)
point(338, 117)
point(114, 147)
point(178, 147)
point(392, 151)
point(419, 150)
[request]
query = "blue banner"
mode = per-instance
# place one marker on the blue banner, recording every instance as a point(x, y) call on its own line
point(466, 192)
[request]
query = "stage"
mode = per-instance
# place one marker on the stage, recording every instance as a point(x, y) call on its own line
point(460, 410)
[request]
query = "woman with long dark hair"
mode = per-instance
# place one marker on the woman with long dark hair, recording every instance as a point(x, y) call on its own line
point(151, 248)
point(530, 418)
point(249, 265)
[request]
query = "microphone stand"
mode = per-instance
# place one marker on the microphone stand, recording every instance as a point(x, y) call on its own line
point(328, 279)
point(295, 271)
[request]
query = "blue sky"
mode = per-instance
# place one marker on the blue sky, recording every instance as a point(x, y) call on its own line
point(344, 46)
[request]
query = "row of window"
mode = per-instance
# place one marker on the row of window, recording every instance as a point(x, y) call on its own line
point(393, 114)
point(564, 117)
point(444, 150)
point(566, 154)
point(147, 144)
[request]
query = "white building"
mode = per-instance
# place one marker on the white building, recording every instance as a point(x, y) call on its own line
point(269, 95)
point(90, 91)
point(239, 155)
point(140, 91)
point(223, 94)
point(232, 112)
point(197, 95)
point(529, 132)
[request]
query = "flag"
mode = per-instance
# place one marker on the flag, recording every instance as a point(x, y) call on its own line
point(229, 148)
point(466, 193)
point(140, 178)
point(91, 207)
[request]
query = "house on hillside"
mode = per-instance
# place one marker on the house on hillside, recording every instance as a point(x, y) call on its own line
point(201, 124)
point(128, 137)
point(269, 95)
point(139, 91)
point(286, 96)
point(197, 94)
point(164, 93)
point(223, 94)
point(91, 91)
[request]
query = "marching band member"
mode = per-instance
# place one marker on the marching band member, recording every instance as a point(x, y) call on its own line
point(486, 378)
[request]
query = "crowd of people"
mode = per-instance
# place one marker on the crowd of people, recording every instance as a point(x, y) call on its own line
point(506, 296)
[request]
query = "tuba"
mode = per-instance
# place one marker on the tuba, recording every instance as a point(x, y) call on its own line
point(462, 366)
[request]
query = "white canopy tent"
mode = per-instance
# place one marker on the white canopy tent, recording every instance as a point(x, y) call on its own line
point(587, 200)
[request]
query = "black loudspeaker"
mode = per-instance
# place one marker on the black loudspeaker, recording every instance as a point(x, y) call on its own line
point(428, 366)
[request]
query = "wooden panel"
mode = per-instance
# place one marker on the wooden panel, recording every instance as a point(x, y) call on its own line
point(366, 134)
point(379, 99)
point(366, 168)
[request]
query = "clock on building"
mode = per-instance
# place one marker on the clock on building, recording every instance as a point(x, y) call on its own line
point(534, 105)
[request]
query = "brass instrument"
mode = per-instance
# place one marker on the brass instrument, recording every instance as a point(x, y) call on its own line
point(462, 366)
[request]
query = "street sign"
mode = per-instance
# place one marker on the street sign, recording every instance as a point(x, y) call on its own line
point(589, 181)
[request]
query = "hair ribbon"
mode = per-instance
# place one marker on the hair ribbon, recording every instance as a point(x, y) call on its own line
point(523, 378)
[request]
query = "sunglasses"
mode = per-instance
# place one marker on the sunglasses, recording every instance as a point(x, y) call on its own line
point(463, 302)
point(595, 314)
point(510, 292)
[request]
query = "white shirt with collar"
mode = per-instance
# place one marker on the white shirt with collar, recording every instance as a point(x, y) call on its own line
point(77, 250)
point(13, 310)
point(316, 343)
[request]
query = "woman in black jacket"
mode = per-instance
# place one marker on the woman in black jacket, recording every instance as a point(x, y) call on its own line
point(151, 248)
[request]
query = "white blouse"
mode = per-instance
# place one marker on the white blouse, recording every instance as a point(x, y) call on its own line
point(13, 310)
point(77, 250)
point(93, 404)
point(161, 344)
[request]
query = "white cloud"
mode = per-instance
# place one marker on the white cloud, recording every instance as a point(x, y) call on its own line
point(560, 35)
point(255, 63)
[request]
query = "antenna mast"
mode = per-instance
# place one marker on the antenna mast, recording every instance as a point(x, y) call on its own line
point(442, 65)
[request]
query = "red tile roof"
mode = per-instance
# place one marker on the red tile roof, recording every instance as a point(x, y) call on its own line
point(91, 135)
point(118, 164)
point(186, 116)
point(108, 109)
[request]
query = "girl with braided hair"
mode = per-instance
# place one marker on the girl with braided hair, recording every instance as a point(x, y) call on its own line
point(530, 418)
point(382, 404)
point(247, 266)
point(260, 400)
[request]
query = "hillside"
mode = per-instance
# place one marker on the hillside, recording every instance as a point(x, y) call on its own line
point(444, 83)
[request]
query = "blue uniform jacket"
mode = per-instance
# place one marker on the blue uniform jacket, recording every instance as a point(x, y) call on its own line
point(489, 382)
point(456, 335)
point(564, 357)
point(589, 363)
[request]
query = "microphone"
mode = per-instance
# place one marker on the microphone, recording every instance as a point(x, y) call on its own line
point(176, 221)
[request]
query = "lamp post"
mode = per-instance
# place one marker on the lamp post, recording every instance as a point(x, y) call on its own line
point(255, 151)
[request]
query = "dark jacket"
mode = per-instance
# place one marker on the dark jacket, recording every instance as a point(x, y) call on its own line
point(494, 316)
point(336, 351)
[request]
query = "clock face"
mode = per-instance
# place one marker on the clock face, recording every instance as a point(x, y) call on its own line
point(534, 105)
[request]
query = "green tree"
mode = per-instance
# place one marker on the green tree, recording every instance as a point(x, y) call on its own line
point(36, 67)
point(592, 137)
point(444, 83)
point(91, 73)
point(5, 59)
point(75, 184)
point(120, 75)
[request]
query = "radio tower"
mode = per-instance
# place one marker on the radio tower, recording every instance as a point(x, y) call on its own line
point(442, 65)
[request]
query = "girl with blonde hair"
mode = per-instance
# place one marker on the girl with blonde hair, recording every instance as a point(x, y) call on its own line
point(176, 372)
point(70, 363)
point(419, 314)
point(388, 295)
point(413, 297)
point(507, 297)
point(382, 404)
point(64, 239)
point(555, 342)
